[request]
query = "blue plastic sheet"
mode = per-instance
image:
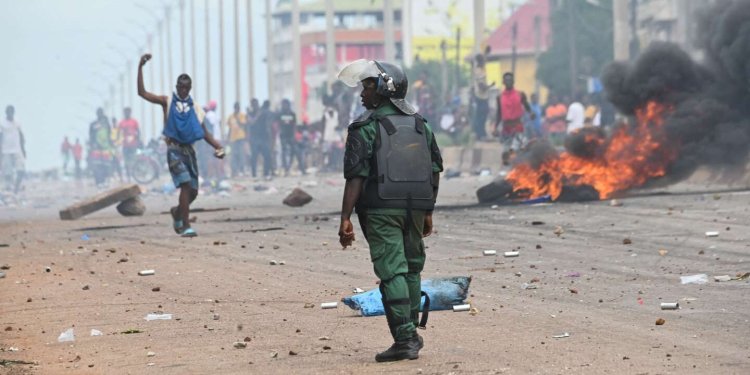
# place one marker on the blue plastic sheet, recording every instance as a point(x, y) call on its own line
point(444, 294)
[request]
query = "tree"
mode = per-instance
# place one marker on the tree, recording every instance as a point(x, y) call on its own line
point(590, 23)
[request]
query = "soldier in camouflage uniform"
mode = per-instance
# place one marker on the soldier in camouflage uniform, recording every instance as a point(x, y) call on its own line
point(392, 167)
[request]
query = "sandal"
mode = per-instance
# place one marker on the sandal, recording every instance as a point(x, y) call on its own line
point(189, 232)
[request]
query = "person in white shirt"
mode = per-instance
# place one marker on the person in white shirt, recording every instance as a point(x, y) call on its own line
point(12, 151)
point(576, 115)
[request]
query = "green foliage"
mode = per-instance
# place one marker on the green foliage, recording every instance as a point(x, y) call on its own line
point(594, 29)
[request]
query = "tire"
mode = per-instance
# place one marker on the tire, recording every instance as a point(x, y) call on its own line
point(145, 170)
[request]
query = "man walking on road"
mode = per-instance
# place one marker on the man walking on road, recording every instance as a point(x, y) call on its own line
point(393, 186)
point(183, 126)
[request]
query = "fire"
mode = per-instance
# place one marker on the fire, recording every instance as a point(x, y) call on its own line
point(629, 158)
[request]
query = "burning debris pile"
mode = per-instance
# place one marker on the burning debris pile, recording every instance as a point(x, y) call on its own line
point(681, 115)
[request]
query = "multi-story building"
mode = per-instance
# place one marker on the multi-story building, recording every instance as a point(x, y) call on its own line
point(358, 34)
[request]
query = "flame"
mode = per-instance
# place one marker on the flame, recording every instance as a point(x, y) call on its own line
point(629, 158)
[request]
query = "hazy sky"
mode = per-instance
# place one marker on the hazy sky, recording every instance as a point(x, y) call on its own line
point(59, 58)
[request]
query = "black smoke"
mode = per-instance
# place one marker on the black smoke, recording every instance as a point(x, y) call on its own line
point(710, 99)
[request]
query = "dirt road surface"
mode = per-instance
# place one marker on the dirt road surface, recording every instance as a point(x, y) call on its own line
point(600, 273)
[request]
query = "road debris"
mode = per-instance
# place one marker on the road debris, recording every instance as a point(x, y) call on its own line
point(511, 254)
point(150, 354)
point(722, 278)
point(670, 306)
point(460, 308)
point(694, 279)
point(146, 273)
point(526, 286)
point(358, 290)
point(2, 275)
point(660, 322)
point(489, 252)
point(240, 345)
point(67, 336)
point(329, 305)
point(564, 335)
point(627, 241)
point(297, 198)
point(96, 332)
point(615, 203)
point(131, 331)
point(150, 317)
point(712, 234)
point(559, 231)
point(663, 252)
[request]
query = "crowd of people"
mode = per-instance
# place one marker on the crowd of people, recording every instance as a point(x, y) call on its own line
point(261, 143)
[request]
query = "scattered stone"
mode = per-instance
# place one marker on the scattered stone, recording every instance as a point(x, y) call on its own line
point(132, 207)
point(615, 203)
point(5, 267)
point(273, 262)
point(247, 339)
point(240, 345)
point(573, 290)
point(627, 241)
point(123, 260)
point(660, 322)
point(292, 352)
point(297, 198)
point(537, 223)
point(8, 329)
point(216, 316)
point(85, 287)
point(309, 305)
point(326, 347)
point(663, 252)
point(156, 289)
point(2, 275)
point(150, 354)
point(324, 338)
point(559, 231)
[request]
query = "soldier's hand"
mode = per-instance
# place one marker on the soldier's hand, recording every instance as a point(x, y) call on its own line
point(427, 230)
point(145, 58)
point(346, 233)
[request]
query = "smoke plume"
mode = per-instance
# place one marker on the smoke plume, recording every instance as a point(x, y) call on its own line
point(709, 101)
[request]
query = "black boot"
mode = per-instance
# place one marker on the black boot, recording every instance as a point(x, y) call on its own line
point(407, 349)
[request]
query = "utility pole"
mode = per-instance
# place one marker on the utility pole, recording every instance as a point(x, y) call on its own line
point(621, 31)
point(537, 48)
point(182, 35)
point(237, 50)
point(634, 46)
point(193, 63)
point(330, 46)
point(169, 47)
point(389, 42)
point(456, 82)
point(514, 46)
point(296, 59)
point(572, 49)
point(270, 58)
point(162, 82)
point(222, 104)
point(208, 54)
point(250, 55)
point(150, 39)
point(122, 91)
point(478, 26)
point(444, 69)
point(406, 33)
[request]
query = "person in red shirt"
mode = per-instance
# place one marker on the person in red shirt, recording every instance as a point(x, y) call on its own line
point(511, 106)
point(77, 156)
point(131, 140)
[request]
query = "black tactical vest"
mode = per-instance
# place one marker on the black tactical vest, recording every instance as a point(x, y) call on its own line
point(401, 166)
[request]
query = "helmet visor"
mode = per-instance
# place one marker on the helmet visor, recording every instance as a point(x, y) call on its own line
point(357, 71)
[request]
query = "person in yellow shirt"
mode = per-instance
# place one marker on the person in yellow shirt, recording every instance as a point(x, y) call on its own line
point(236, 122)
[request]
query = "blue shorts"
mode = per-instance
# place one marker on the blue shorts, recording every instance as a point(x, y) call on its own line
point(183, 165)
